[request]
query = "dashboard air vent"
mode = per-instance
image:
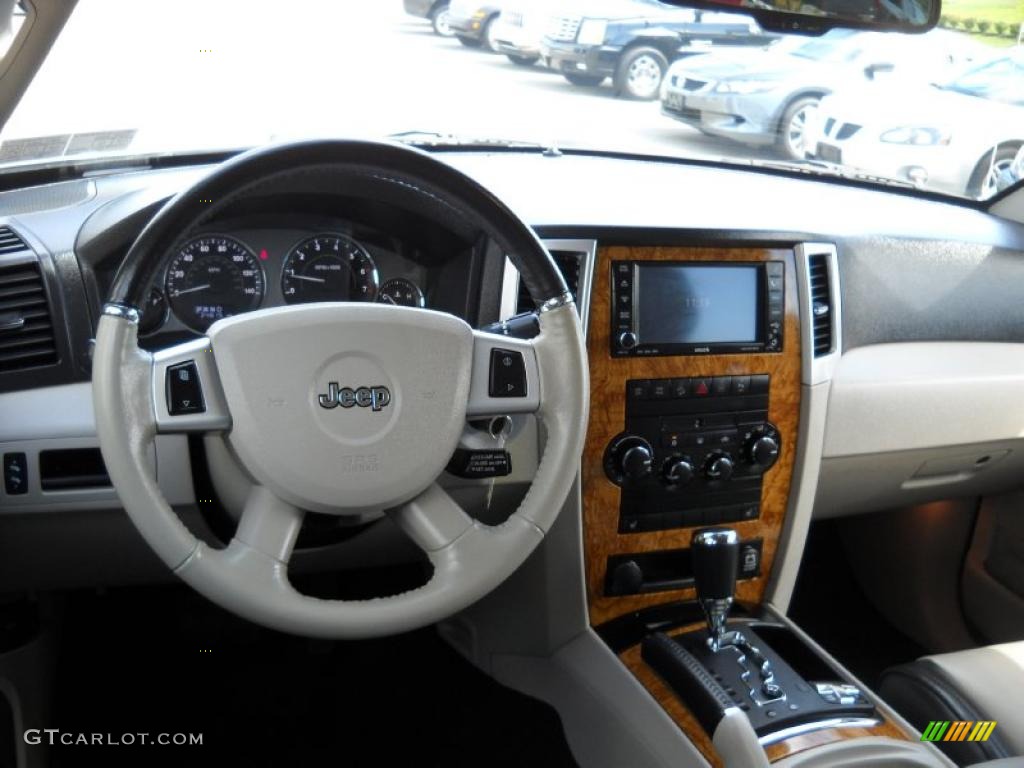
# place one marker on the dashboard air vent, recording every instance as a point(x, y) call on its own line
point(26, 329)
point(821, 304)
point(10, 242)
point(569, 263)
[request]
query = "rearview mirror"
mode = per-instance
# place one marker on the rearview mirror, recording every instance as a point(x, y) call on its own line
point(873, 69)
point(814, 17)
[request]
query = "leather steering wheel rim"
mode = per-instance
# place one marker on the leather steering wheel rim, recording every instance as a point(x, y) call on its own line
point(300, 455)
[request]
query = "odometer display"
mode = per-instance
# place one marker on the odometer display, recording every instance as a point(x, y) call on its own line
point(212, 278)
point(329, 267)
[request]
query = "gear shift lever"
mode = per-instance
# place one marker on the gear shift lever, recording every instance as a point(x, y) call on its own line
point(715, 556)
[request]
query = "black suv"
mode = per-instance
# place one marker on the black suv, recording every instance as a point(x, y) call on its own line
point(634, 41)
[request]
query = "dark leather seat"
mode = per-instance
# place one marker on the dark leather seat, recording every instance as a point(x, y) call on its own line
point(980, 684)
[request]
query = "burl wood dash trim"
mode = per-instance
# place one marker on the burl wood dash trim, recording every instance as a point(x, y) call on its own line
point(608, 378)
point(687, 722)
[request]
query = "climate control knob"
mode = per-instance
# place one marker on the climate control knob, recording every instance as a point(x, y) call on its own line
point(762, 448)
point(718, 466)
point(677, 471)
point(635, 462)
point(764, 452)
point(628, 459)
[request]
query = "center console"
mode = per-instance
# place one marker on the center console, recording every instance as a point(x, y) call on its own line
point(695, 357)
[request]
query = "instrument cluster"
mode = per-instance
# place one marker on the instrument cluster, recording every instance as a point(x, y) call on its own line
point(213, 276)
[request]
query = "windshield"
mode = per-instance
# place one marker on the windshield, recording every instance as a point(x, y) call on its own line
point(138, 78)
point(1000, 80)
point(834, 46)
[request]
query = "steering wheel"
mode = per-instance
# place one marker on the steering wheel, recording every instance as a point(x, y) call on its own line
point(406, 380)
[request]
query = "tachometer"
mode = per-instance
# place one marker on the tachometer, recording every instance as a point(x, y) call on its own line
point(212, 278)
point(329, 267)
point(402, 292)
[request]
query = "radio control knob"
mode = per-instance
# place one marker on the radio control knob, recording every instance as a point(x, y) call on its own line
point(677, 471)
point(636, 461)
point(628, 340)
point(719, 466)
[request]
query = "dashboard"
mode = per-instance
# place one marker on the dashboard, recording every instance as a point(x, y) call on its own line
point(759, 356)
point(917, 271)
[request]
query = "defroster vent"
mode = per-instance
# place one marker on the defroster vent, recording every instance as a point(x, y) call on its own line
point(821, 304)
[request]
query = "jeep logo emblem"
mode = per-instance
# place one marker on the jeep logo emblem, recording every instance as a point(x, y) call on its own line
point(374, 398)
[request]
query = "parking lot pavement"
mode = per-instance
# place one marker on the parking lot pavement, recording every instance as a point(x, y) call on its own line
point(199, 74)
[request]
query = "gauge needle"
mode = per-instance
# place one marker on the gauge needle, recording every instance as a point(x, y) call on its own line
point(387, 298)
point(293, 276)
point(191, 290)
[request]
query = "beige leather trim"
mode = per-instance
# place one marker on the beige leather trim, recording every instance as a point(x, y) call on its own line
point(992, 678)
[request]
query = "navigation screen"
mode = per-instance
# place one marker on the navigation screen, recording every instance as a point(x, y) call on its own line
point(688, 304)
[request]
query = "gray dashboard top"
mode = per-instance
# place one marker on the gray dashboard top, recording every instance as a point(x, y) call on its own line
point(913, 268)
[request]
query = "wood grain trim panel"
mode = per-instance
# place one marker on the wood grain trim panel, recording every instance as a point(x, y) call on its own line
point(687, 722)
point(608, 378)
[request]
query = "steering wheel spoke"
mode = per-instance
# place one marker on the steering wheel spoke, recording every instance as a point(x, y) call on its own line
point(432, 520)
point(505, 377)
point(269, 524)
point(187, 391)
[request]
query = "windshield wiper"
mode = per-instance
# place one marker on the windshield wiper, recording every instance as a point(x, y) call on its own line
point(821, 168)
point(438, 139)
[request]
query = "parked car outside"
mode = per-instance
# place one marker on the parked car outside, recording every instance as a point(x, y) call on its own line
point(766, 96)
point(961, 136)
point(634, 41)
point(474, 22)
point(435, 10)
point(519, 28)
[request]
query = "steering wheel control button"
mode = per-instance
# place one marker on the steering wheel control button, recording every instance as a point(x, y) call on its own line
point(184, 393)
point(480, 464)
point(508, 373)
point(15, 474)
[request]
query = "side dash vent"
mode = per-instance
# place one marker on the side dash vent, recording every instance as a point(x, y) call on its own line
point(10, 242)
point(26, 327)
point(821, 304)
point(569, 264)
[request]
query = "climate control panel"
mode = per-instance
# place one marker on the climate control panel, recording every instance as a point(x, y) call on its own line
point(693, 451)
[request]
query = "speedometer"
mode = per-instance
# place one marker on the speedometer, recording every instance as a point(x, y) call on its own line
point(329, 267)
point(211, 278)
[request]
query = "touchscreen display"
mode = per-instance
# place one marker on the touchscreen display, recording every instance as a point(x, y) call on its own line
point(688, 304)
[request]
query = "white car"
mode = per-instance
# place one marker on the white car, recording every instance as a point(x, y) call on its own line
point(767, 96)
point(957, 137)
point(519, 28)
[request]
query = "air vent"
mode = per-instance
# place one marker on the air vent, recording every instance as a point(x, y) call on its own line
point(26, 330)
point(569, 263)
point(10, 242)
point(821, 304)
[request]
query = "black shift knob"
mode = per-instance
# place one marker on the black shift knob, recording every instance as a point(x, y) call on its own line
point(715, 555)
